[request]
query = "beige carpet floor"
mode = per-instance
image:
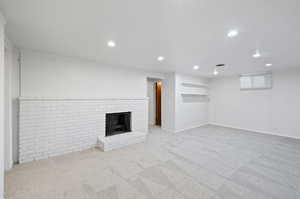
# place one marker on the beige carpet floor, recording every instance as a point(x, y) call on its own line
point(203, 163)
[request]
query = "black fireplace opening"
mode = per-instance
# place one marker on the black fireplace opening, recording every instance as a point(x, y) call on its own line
point(117, 123)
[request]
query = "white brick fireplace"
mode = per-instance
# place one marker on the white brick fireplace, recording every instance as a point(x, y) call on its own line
point(51, 127)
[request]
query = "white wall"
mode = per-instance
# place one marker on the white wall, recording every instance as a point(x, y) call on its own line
point(191, 111)
point(274, 111)
point(168, 103)
point(2, 23)
point(15, 94)
point(182, 113)
point(47, 75)
point(11, 105)
point(7, 109)
point(152, 101)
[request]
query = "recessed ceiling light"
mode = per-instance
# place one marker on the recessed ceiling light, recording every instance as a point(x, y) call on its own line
point(256, 54)
point(160, 58)
point(111, 43)
point(216, 72)
point(232, 33)
point(196, 67)
point(269, 65)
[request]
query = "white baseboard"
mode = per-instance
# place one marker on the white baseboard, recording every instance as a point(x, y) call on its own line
point(192, 127)
point(253, 130)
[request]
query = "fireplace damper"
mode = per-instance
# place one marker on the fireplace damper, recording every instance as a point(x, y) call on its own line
point(117, 123)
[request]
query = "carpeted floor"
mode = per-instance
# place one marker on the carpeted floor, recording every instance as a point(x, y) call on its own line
point(208, 162)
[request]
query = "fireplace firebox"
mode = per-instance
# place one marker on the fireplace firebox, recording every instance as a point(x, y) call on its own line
point(117, 123)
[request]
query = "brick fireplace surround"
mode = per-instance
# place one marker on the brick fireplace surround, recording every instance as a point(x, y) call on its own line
point(52, 127)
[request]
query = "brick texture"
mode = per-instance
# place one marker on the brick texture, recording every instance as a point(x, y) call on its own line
point(55, 127)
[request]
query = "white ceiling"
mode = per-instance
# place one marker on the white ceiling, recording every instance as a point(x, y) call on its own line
point(185, 32)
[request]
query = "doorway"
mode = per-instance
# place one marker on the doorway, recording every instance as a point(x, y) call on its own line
point(155, 102)
point(158, 103)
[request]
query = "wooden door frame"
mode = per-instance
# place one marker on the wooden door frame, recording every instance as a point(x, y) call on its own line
point(158, 103)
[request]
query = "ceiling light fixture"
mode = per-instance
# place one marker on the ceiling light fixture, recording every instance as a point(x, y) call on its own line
point(111, 44)
point(269, 65)
point(160, 58)
point(196, 67)
point(256, 54)
point(233, 33)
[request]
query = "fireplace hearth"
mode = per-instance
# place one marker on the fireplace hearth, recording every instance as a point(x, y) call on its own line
point(117, 123)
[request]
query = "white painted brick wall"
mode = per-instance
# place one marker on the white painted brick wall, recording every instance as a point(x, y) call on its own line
point(51, 127)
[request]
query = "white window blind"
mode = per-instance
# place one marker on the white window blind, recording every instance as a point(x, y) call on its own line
point(256, 81)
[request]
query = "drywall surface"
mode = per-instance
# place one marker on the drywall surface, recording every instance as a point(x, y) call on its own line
point(182, 112)
point(168, 103)
point(152, 101)
point(11, 103)
point(191, 110)
point(47, 75)
point(15, 94)
point(2, 91)
point(273, 111)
